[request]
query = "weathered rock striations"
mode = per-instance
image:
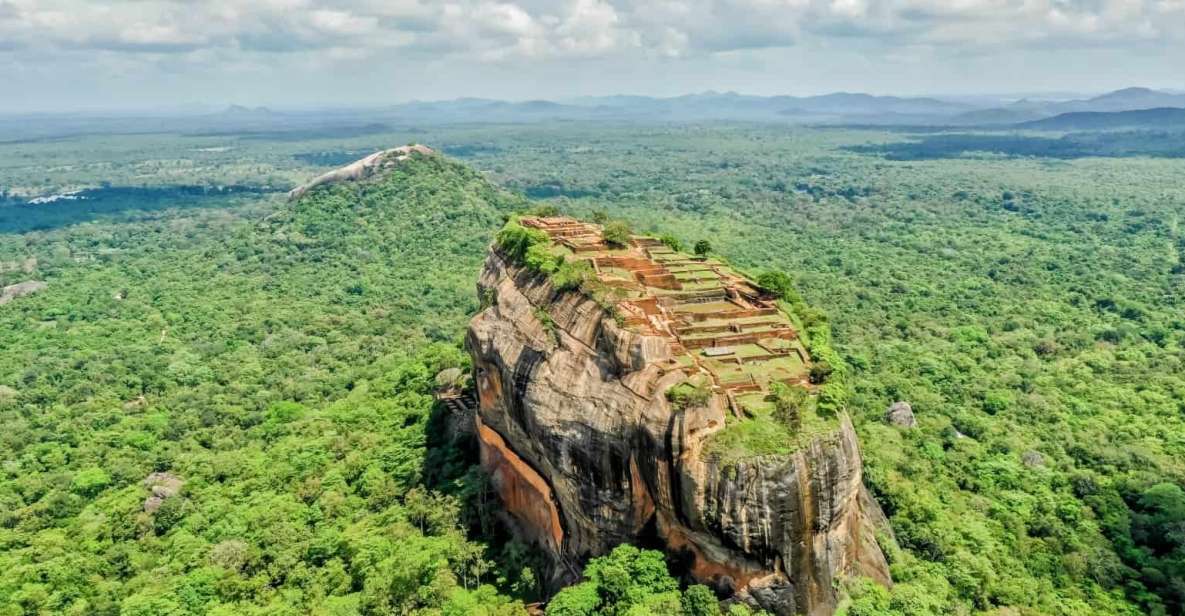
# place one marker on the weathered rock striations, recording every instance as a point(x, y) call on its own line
point(586, 452)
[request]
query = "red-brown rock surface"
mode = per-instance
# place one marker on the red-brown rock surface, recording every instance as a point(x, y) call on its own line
point(587, 453)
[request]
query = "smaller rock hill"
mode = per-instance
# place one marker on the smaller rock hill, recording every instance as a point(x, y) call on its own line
point(363, 168)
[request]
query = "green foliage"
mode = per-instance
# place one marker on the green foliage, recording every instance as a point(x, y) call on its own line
point(228, 352)
point(779, 285)
point(531, 248)
point(827, 367)
point(1045, 289)
point(688, 395)
point(617, 233)
point(583, 599)
point(574, 274)
point(867, 598)
point(703, 248)
point(789, 404)
point(516, 240)
point(699, 600)
point(544, 210)
point(1151, 537)
point(671, 242)
point(631, 582)
point(904, 256)
point(90, 481)
point(1166, 143)
point(540, 259)
point(820, 370)
point(548, 324)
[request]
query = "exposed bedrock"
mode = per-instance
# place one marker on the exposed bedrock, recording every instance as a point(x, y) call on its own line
point(362, 168)
point(586, 453)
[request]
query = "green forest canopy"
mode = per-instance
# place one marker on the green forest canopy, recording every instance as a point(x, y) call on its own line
point(1029, 309)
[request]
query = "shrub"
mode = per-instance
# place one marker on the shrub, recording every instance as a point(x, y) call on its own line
point(672, 242)
point(703, 248)
point(572, 275)
point(777, 284)
point(686, 395)
point(627, 580)
point(789, 404)
point(545, 209)
point(699, 600)
point(617, 233)
point(548, 324)
point(832, 398)
point(90, 481)
point(515, 240)
point(540, 259)
point(579, 600)
point(820, 370)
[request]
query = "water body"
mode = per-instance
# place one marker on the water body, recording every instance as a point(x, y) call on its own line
point(57, 210)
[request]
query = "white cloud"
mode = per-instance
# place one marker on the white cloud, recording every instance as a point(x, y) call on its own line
point(504, 30)
point(484, 45)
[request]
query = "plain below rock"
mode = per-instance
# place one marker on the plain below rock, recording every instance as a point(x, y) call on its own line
point(900, 414)
point(20, 289)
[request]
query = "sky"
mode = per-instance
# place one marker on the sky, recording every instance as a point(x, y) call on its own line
point(58, 55)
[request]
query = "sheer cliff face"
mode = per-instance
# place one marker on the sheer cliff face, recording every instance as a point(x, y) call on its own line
point(587, 453)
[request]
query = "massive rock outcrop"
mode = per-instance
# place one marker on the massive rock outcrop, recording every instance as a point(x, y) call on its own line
point(362, 168)
point(587, 452)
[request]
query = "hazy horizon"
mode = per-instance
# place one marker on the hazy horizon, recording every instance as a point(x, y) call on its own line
point(985, 99)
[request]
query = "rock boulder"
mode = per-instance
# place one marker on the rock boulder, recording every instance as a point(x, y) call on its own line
point(21, 289)
point(900, 414)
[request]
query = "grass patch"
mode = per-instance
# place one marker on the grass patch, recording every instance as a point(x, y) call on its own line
point(760, 434)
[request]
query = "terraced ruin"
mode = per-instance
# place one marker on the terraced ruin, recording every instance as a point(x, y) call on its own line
point(630, 392)
point(724, 331)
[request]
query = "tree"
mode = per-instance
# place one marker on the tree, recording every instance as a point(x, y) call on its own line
point(625, 579)
point(703, 248)
point(515, 240)
point(820, 370)
point(789, 403)
point(579, 600)
point(545, 210)
point(699, 600)
point(672, 242)
point(777, 284)
point(90, 481)
point(617, 233)
point(687, 394)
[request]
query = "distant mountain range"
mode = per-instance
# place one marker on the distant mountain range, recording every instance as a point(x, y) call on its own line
point(836, 108)
point(693, 107)
point(1161, 117)
point(840, 108)
point(1127, 99)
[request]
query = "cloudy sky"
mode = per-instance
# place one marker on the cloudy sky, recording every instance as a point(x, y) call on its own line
point(75, 54)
